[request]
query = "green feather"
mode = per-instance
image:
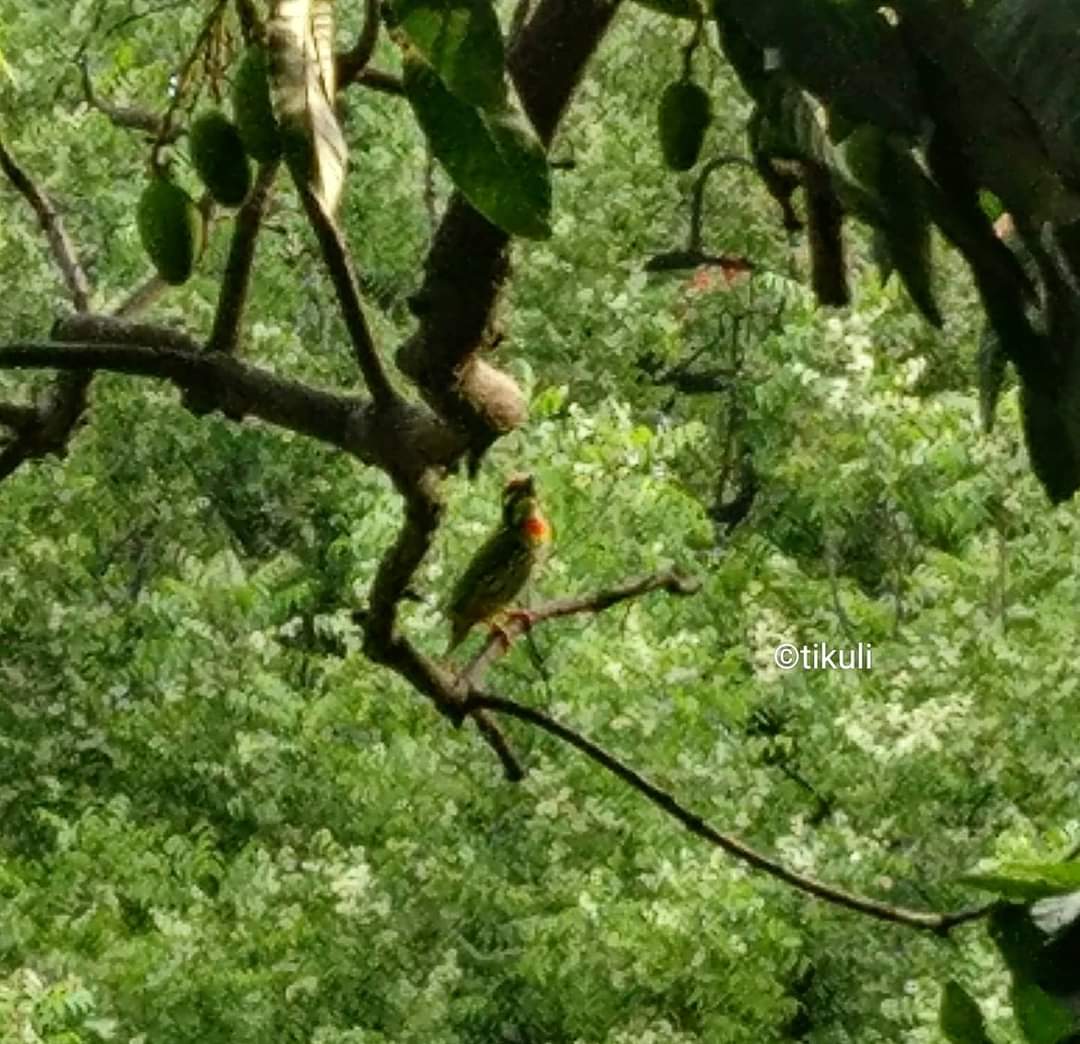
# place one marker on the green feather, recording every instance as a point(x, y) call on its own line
point(498, 571)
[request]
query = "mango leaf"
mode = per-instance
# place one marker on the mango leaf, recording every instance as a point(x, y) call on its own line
point(494, 158)
point(1028, 881)
point(887, 189)
point(744, 56)
point(1035, 46)
point(675, 8)
point(301, 36)
point(990, 361)
point(997, 136)
point(462, 42)
point(959, 1016)
point(843, 52)
point(1043, 1019)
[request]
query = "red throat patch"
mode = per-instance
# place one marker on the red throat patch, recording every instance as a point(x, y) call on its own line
point(536, 527)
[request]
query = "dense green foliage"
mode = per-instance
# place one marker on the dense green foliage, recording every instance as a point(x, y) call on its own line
point(220, 822)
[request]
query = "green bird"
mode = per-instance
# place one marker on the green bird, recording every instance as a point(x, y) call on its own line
point(501, 567)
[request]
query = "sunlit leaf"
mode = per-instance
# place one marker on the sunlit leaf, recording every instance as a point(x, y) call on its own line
point(301, 36)
point(494, 159)
point(462, 42)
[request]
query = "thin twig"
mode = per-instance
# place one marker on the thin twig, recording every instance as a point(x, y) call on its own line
point(339, 263)
point(939, 923)
point(352, 62)
point(123, 115)
point(498, 643)
point(60, 245)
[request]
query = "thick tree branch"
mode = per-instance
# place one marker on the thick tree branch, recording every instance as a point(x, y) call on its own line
point(403, 439)
point(237, 278)
point(17, 417)
point(498, 644)
point(383, 643)
point(237, 389)
point(939, 923)
point(467, 264)
point(60, 245)
point(352, 62)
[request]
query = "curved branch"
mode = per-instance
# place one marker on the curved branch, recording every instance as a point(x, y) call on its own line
point(60, 244)
point(122, 115)
point(693, 244)
point(384, 644)
point(237, 389)
point(352, 62)
point(378, 80)
point(939, 923)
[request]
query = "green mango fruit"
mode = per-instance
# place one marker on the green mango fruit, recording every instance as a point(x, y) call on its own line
point(217, 153)
point(171, 229)
point(684, 115)
point(252, 107)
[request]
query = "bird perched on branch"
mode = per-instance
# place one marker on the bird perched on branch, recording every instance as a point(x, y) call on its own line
point(501, 567)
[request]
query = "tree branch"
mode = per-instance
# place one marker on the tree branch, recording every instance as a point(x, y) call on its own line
point(378, 80)
point(939, 923)
point(467, 264)
point(125, 116)
point(60, 245)
point(352, 62)
point(669, 580)
point(339, 262)
point(382, 641)
point(237, 278)
point(235, 388)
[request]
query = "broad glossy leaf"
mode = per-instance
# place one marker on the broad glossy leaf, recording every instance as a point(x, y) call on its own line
point(1052, 457)
point(1035, 46)
point(959, 1016)
point(494, 159)
point(997, 136)
point(843, 51)
point(301, 35)
point(891, 195)
point(1044, 1019)
point(462, 42)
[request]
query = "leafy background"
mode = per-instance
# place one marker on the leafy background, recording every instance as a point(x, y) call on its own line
point(214, 826)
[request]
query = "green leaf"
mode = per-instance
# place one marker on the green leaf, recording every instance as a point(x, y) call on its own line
point(745, 56)
point(892, 191)
point(494, 159)
point(301, 34)
point(990, 362)
point(843, 52)
point(1028, 881)
point(1035, 46)
point(462, 42)
point(995, 133)
point(1050, 451)
point(959, 1016)
point(1043, 1019)
point(675, 8)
